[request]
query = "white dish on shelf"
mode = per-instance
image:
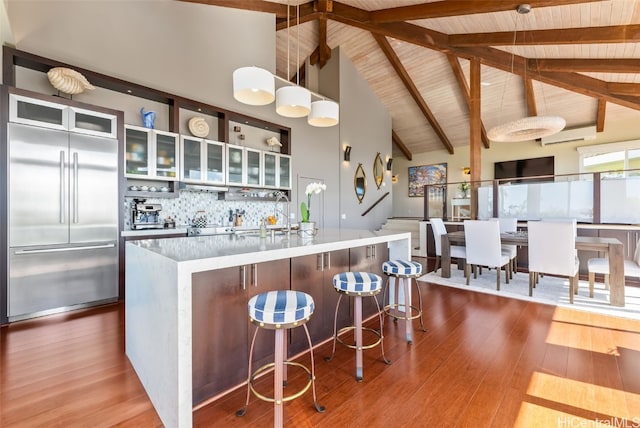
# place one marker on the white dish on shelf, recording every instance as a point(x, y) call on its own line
point(164, 189)
point(144, 188)
point(133, 188)
point(153, 189)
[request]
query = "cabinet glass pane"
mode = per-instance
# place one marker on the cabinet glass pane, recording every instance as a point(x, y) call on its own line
point(94, 123)
point(285, 173)
point(191, 159)
point(215, 168)
point(235, 165)
point(253, 167)
point(40, 113)
point(137, 152)
point(166, 158)
point(269, 169)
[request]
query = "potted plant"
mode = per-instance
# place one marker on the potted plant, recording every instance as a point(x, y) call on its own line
point(464, 188)
point(305, 207)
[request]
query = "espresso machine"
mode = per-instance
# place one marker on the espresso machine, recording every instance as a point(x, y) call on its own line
point(145, 216)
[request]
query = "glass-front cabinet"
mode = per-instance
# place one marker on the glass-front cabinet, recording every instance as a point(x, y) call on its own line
point(277, 170)
point(244, 166)
point(202, 161)
point(151, 153)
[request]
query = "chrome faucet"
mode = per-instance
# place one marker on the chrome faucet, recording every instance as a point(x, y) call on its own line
point(279, 196)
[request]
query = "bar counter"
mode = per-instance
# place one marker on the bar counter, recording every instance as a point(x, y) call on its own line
point(158, 298)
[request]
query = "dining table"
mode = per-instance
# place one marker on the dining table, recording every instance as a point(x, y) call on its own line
point(611, 246)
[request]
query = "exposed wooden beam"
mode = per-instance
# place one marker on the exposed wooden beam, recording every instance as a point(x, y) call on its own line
point(441, 9)
point(413, 90)
point(464, 87)
point(280, 10)
point(558, 36)
point(475, 152)
point(403, 148)
point(632, 89)
point(602, 110)
point(530, 96)
point(585, 65)
point(325, 51)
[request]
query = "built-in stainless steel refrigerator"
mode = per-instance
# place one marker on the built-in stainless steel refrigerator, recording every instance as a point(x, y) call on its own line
point(63, 208)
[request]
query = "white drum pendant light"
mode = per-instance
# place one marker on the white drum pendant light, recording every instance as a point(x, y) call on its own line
point(324, 113)
point(528, 128)
point(254, 86)
point(293, 101)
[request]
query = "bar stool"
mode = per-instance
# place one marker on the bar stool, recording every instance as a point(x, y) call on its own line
point(280, 310)
point(357, 285)
point(404, 271)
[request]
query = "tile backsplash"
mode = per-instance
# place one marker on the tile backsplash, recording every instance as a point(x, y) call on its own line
point(184, 208)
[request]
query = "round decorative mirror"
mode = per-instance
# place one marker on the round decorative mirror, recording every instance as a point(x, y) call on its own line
point(360, 183)
point(378, 170)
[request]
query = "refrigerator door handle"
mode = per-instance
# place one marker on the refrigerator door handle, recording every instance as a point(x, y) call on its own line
point(60, 250)
point(75, 187)
point(62, 219)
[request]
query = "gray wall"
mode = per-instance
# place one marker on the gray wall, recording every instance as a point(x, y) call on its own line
point(191, 50)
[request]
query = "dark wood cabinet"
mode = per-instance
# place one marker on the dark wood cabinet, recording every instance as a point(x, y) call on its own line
point(313, 274)
point(220, 324)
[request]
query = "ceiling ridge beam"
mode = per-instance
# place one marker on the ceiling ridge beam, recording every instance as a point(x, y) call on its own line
point(441, 9)
point(385, 46)
point(280, 10)
point(458, 73)
point(559, 36)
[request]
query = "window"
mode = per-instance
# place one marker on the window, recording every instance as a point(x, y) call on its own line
point(611, 159)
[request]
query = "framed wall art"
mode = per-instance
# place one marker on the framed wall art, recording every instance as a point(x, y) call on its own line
point(419, 176)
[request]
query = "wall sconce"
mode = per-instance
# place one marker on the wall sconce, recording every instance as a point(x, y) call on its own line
point(394, 178)
point(466, 170)
point(347, 153)
point(389, 162)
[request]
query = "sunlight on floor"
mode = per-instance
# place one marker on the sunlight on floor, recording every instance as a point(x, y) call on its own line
point(584, 397)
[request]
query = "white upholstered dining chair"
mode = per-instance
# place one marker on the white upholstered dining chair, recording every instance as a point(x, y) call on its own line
point(552, 250)
point(507, 225)
point(439, 229)
point(482, 240)
point(601, 266)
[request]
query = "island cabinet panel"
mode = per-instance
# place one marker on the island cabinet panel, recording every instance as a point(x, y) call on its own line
point(221, 329)
point(369, 258)
point(313, 274)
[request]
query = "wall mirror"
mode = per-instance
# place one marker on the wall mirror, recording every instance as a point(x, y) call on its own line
point(378, 170)
point(360, 183)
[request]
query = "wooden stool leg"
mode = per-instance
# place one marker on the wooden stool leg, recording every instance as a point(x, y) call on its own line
point(358, 332)
point(278, 411)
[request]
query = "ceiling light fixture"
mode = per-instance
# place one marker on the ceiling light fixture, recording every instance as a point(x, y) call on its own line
point(528, 128)
point(256, 86)
point(293, 101)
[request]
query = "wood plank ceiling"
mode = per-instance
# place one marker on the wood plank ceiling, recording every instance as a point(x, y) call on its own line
point(579, 59)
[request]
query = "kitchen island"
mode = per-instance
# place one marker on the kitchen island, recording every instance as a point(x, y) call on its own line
point(163, 342)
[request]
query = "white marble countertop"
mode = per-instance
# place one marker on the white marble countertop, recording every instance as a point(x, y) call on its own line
point(200, 253)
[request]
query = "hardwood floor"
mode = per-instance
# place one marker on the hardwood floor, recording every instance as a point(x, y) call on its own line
point(486, 361)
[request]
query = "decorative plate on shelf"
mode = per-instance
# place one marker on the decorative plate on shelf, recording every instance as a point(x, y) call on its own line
point(198, 127)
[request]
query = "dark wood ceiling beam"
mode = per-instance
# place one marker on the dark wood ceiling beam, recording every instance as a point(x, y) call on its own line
point(441, 9)
point(403, 148)
point(575, 82)
point(413, 90)
point(585, 65)
point(324, 50)
point(464, 87)
point(280, 10)
point(632, 89)
point(559, 36)
point(530, 96)
point(602, 110)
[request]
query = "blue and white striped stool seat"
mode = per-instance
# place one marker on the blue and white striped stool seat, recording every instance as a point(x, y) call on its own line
point(357, 282)
point(402, 267)
point(280, 308)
